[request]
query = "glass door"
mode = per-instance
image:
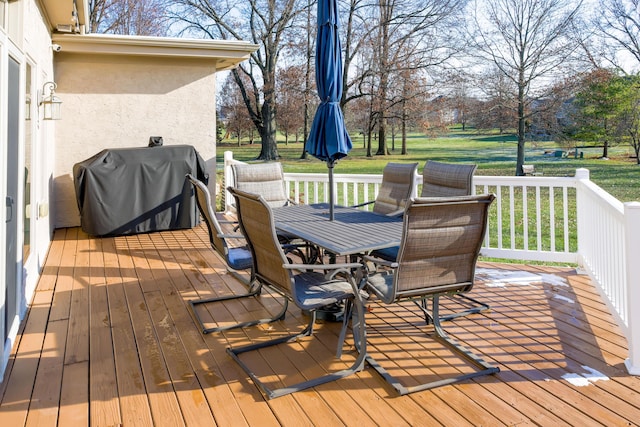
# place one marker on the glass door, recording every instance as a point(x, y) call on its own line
point(11, 195)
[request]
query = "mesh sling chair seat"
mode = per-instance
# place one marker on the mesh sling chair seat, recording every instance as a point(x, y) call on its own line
point(440, 244)
point(265, 179)
point(447, 179)
point(309, 286)
point(398, 183)
point(236, 257)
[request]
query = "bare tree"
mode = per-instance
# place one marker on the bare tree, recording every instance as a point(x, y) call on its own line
point(527, 41)
point(410, 35)
point(128, 17)
point(356, 29)
point(309, 45)
point(459, 82)
point(411, 102)
point(290, 98)
point(499, 106)
point(300, 53)
point(619, 22)
point(232, 110)
point(263, 22)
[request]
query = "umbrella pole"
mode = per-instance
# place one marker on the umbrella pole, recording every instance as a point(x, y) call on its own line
point(330, 166)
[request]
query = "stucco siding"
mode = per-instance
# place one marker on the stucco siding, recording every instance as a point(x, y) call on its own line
point(120, 101)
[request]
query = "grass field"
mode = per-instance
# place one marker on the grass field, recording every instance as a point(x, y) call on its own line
point(494, 154)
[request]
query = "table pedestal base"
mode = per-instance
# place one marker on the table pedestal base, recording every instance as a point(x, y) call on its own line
point(329, 313)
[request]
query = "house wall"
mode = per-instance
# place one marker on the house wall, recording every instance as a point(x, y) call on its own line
point(118, 101)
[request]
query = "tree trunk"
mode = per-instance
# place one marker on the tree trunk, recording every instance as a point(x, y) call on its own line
point(384, 77)
point(307, 85)
point(404, 126)
point(269, 150)
point(404, 133)
point(382, 137)
point(305, 131)
point(393, 138)
point(605, 143)
point(521, 125)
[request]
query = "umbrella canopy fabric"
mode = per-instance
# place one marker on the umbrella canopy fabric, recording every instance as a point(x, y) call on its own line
point(328, 139)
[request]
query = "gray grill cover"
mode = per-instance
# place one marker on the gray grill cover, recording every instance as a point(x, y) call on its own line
point(138, 190)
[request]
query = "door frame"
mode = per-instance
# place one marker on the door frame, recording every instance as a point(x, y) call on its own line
point(10, 328)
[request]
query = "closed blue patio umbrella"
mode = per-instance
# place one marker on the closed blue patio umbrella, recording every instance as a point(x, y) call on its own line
point(328, 139)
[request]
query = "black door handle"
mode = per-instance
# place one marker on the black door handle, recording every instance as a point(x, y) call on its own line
point(10, 202)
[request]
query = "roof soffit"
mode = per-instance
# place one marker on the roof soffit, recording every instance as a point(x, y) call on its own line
point(66, 13)
point(225, 53)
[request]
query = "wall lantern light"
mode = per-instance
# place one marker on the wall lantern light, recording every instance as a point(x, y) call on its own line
point(51, 103)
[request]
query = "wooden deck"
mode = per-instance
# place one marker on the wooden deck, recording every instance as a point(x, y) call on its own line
point(110, 340)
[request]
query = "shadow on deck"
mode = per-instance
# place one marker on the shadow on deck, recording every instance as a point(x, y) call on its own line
point(110, 340)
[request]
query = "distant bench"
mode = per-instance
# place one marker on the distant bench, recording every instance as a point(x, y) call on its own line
point(530, 170)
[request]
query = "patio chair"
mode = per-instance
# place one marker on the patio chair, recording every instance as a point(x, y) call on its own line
point(440, 244)
point(267, 180)
point(309, 286)
point(398, 182)
point(445, 180)
point(237, 258)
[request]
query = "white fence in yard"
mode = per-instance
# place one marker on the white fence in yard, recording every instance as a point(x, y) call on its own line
point(534, 218)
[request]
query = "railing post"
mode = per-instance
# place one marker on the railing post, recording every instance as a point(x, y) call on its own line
point(582, 230)
point(632, 255)
point(226, 202)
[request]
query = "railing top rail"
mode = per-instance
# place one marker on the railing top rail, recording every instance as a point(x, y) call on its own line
point(595, 190)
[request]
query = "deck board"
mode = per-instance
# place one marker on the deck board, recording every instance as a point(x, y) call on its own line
point(74, 400)
point(110, 340)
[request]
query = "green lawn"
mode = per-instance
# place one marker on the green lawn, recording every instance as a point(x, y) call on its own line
point(494, 154)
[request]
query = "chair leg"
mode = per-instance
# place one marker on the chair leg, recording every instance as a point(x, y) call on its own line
point(243, 279)
point(272, 393)
point(483, 367)
point(473, 306)
point(254, 291)
point(477, 308)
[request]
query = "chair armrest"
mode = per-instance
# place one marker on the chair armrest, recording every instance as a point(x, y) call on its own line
point(399, 212)
point(354, 278)
point(380, 261)
point(227, 221)
point(231, 236)
point(325, 267)
point(363, 204)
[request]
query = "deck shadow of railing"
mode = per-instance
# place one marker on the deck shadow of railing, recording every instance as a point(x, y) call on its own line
point(139, 302)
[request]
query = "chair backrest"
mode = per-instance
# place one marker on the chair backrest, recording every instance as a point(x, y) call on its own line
point(203, 199)
point(447, 179)
point(265, 179)
point(440, 244)
point(398, 181)
point(257, 225)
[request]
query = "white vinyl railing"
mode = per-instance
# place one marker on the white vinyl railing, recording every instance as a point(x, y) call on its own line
point(609, 250)
point(534, 218)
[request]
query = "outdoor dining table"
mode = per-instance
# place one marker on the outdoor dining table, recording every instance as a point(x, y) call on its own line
point(352, 231)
